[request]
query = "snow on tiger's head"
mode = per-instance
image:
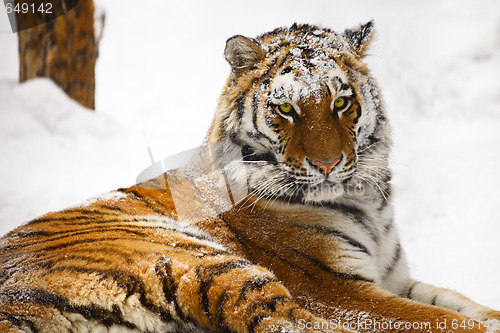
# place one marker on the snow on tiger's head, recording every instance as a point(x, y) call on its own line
point(304, 111)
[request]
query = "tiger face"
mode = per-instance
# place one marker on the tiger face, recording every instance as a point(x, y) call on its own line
point(304, 110)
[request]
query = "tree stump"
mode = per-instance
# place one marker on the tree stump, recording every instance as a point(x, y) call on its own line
point(63, 49)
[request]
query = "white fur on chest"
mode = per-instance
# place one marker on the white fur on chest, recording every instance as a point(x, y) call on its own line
point(367, 248)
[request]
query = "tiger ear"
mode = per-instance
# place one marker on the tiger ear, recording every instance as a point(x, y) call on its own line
point(242, 52)
point(360, 37)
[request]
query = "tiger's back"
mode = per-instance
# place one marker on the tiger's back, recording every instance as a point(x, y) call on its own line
point(115, 263)
point(89, 264)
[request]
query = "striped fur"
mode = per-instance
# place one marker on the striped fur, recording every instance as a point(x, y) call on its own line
point(261, 232)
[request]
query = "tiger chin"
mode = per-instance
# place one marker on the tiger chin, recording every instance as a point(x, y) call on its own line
point(282, 223)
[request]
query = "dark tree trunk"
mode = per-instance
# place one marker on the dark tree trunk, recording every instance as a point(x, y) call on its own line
point(63, 49)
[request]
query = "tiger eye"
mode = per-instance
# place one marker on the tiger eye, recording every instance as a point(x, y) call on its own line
point(339, 102)
point(285, 107)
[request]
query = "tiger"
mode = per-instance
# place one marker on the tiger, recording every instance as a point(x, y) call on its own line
point(281, 222)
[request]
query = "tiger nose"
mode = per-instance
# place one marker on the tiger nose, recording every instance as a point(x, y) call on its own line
point(326, 168)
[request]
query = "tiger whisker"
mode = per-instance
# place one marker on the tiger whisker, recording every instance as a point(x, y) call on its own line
point(370, 146)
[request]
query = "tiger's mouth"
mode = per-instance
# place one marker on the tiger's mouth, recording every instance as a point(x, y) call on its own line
point(267, 175)
point(312, 187)
point(303, 192)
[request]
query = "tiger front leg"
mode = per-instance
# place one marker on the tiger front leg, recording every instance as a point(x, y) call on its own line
point(448, 299)
point(228, 294)
point(370, 308)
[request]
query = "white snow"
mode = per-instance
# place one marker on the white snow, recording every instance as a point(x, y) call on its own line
point(55, 153)
point(106, 196)
point(161, 69)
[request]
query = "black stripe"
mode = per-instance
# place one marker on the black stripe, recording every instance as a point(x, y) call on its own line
point(220, 313)
point(98, 229)
point(265, 83)
point(323, 267)
point(103, 223)
point(331, 231)
point(19, 321)
point(255, 283)
point(408, 295)
point(26, 234)
point(86, 211)
point(388, 227)
point(338, 81)
point(266, 77)
point(284, 59)
point(267, 157)
point(240, 103)
point(286, 70)
point(91, 211)
point(269, 122)
point(270, 306)
point(90, 312)
point(258, 133)
point(310, 54)
point(372, 141)
point(344, 86)
point(396, 256)
point(254, 322)
point(357, 215)
point(328, 91)
point(163, 270)
point(113, 208)
point(224, 267)
point(279, 47)
point(206, 274)
point(83, 215)
point(358, 112)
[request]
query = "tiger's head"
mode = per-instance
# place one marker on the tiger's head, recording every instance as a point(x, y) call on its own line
point(304, 113)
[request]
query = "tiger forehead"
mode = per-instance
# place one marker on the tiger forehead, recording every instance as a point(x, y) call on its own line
point(299, 85)
point(304, 61)
point(304, 37)
point(303, 52)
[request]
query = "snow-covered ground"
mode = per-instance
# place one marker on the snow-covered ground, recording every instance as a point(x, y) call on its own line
point(159, 73)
